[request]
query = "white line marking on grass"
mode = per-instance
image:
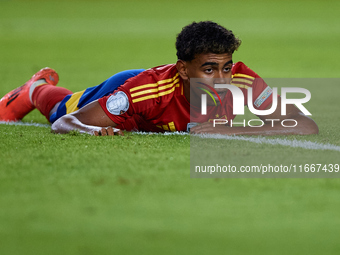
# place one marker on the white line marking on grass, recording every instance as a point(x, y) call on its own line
point(20, 123)
point(165, 133)
point(260, 140)
point(277, 141)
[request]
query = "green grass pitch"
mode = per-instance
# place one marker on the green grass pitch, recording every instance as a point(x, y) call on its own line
point(77, 194)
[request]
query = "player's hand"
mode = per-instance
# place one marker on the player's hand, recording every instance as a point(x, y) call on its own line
point(208, 128)
point(108, 131)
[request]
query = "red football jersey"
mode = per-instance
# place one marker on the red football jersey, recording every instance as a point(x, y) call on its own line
point(154, 100)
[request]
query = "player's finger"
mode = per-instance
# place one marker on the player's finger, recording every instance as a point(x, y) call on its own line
point(110, 131)
point(200, 129)
point(195, 129)
point(205, 124)
point(119, 132)
point(103, 131)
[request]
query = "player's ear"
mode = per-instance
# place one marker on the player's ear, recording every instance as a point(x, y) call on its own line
point(182, 69)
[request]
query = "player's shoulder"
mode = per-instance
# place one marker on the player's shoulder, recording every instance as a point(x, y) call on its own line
point(240, 70)
point(154, 75)
point(154, 85)
point(160, 72)
point(164, 70)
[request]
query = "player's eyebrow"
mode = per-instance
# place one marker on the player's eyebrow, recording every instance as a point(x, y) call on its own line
point(216, 64)
point(210, 64)
point(229, 62)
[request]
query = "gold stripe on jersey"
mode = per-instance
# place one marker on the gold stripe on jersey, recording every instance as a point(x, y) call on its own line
point(153, 85)
point(172, 126)
point(169, 127)
point(72, 104)
point(147, 91)
point(154, 95)
point(242, 86)
point(242, 80)
point(243, 76)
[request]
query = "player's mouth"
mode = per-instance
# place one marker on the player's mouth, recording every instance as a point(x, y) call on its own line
point(221, 95)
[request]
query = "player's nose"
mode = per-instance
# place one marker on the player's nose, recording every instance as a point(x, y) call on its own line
point(222, 80)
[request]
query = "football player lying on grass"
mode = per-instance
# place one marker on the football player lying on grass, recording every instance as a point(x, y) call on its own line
point(160, 99)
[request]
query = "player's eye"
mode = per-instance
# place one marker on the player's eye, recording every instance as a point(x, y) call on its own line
point(227, 69)
point(208, 70)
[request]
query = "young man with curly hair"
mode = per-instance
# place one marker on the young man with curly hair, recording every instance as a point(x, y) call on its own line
point(156, 99)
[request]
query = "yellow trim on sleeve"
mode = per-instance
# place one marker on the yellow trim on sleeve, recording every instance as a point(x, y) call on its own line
point(147, 91)
point(153, 95)
point(153, 85)
point(243, 75)
point(242, 80)
point(242, 86)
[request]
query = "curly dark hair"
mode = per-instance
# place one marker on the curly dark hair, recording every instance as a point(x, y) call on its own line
point(205, 37)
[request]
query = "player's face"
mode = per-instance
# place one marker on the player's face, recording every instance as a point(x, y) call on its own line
point(213, 69)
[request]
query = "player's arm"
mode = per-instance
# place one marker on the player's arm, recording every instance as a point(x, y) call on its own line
point(305, 125)
point(90, 119)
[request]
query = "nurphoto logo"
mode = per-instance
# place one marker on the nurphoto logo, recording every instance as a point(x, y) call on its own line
point(238, 103)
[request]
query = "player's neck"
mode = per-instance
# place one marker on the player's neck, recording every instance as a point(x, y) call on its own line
point(186, 89)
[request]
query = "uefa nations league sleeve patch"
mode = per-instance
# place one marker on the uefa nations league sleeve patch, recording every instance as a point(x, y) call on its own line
point(263, 96)
point(118, 103)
